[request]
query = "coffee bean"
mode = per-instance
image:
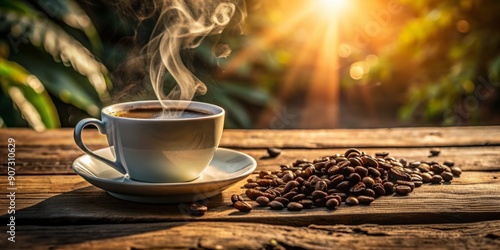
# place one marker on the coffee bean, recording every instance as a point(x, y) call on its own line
point(251, 180)
point(448, 163)
point(435, 151)
point(369, 162)
point(290, 185)
point(253, 193)
point(306, 203)
point(289, 195)
point(345, 185)
point(365, 200)
point(437, 179)
point(355, 161)
point(197, 210)
point(456, 171)
point(426, 178)
point(242, 206)
point(358, 188)
point(354, 178)
point(273, 152)
point(403, 162)
point(262, 200)
point(373, 172)
point(369, 192)
point(321, 185)
point(264, 173)
point(352, 150)
point(294, 206)
point(334, 196)
point(407, 183)
point(447, 176)
point(361, 171)
point(414, 164)
point(336, 179)
point(398, 173)
point(381, 154)
point(282, 200)
point(320, 202)
point(276, 205)
point(332, 203)
point(437, 169)
point(318, 194)
point(298, 197)
point(379, 189)
point(236, 197)
point(287, 177)
point(251, 185)
point(351, 201)
point(402, 190)
point(418, 183)
point(264, 182)
point(389, 188)
point(368, 181)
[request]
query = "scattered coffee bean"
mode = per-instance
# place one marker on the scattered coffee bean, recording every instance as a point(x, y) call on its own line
point(456, 171)
point(197, 210)
point(273, 152)
point(282, 200)
point(436, 179)
point(332, 203)
point(449, 163)
point(251, 185)
point(262, 200)
point(276, 205)
point(236, 197)
point(447, 176)
point(353, 177)
point(435, 151)
point(294, 206)
point(242, 206)
point(365, 200)
point(426, 178)
point(253, 193)
point(388, 187)
point(381, 154)
point(402, 190)
point(306, 203)
point(351, 201)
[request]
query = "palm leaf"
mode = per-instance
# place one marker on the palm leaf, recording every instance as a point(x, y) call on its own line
point(29, 96)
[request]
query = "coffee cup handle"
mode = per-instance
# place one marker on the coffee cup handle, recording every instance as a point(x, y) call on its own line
point(77, 135)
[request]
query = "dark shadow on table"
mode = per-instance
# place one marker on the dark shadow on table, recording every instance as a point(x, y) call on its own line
point(80, 209)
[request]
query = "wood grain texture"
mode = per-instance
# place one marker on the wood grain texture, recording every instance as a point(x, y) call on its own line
point(224, 235)
point(62, 200)
point(57, 209)
point(332, 138)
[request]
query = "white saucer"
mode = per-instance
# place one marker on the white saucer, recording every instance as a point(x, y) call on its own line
point(226, 168)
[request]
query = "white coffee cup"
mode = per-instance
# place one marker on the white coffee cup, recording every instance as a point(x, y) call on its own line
point(158, 149)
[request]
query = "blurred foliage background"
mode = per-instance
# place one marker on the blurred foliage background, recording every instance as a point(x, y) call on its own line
point(298, 63)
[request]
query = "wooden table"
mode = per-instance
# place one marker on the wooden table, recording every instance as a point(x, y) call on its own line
point(55, 208)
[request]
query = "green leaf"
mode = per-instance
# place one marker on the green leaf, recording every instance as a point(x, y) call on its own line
point(60, 81)
point(29, 95)
point(69, 12)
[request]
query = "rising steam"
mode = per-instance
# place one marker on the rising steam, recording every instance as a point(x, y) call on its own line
point(183, 24)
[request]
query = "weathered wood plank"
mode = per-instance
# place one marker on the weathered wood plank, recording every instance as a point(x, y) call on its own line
point(333, 138)
point(224, 235)
point(55, 160)
point(60, 200)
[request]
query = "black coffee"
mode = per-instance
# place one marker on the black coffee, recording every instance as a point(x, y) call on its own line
point(159, 113)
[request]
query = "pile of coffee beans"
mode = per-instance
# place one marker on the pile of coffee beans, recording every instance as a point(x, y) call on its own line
point(353, 178)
